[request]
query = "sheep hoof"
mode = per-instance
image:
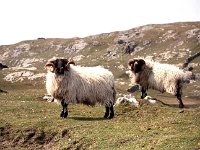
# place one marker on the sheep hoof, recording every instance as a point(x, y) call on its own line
point(143, 95)
point(61, 114)
point(111, 116)
point(181, 106)
point(64, 114)
point(106, 115)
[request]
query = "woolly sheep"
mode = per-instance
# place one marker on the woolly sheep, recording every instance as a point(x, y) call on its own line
point(157, 76)
point(75, 84)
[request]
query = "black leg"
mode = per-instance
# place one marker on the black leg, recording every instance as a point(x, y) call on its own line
point(179, 95)
point(111, 112)
point(107, 112)
point(179, 98)
point(64, 111)
point(144, 94)
point(181, 105)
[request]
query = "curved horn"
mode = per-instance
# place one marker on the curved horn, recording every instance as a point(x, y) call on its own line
point(71, 62)
point(68, 64)
point(50, 66)
point(131, 63)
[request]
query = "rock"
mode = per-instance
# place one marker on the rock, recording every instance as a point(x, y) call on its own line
point(78, 58)
point(36, 76)
point(2, 91)
point(150, 99)
point(120, 41)
point(191, 58)
point(96, 43)
point(130, 47)
point(127, 99)
point(19, 50)
point(41, 38)
point(2, 66)
point(197, 76)
point(121, 67)
point(77, 46)
point(80, 45)
point(134, 88)
point(146, 42)
point(170, 34)
point(22, 75)
point(193, 32)
point(122, 38)
point(49, 98)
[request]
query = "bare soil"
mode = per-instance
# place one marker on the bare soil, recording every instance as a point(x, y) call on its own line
point(173, 102)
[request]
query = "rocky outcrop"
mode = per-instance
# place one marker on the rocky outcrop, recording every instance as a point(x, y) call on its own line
point(23, 75)
point(191, 58)
point(2, 66)
point(169, 43)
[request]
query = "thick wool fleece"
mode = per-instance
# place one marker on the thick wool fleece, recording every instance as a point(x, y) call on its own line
point(87, 85)
point(161, 77)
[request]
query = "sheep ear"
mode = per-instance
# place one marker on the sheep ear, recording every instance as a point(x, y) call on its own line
point(50, 67)
point(68, 64)
point(141, 62)
point(141, 65)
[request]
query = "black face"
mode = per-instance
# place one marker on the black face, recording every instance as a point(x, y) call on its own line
point(136, 65)
point(60, 66)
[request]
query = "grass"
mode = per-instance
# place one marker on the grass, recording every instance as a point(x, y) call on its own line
point(29, 122)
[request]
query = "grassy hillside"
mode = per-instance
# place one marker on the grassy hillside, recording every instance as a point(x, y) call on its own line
point(29, 122)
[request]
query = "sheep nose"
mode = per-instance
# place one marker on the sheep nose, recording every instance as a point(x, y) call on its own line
point(62, 69)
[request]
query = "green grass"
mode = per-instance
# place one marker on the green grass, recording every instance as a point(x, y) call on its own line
point(28, 122)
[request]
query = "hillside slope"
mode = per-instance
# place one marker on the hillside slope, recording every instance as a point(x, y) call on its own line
point(168, 43)
point(29, 122)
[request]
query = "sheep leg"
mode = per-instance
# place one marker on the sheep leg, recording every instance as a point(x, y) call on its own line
point(64, 111)
point(144, 93)
point(179, 96)
point(181, 105)
point(109, 112)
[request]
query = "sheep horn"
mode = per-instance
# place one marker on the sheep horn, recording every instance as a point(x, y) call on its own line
point(71, 62)
point(131, 63)
point(68, 64)
point(50, 66)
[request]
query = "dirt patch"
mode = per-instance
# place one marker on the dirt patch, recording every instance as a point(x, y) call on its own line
point(78, 144)
point(32, 138)
point(65, 133)
point(39, 139)
point(188, 102)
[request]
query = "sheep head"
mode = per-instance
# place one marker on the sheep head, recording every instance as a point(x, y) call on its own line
point(58, 66)
point(136, 65)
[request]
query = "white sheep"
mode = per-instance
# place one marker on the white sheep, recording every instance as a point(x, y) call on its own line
point(75, 84)
point(162, 77)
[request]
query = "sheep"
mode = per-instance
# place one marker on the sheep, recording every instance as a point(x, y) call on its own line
point(162, 77)
point(76, 84)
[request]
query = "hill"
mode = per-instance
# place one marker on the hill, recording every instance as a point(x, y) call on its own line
point(168, 43)
point(27, 120)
